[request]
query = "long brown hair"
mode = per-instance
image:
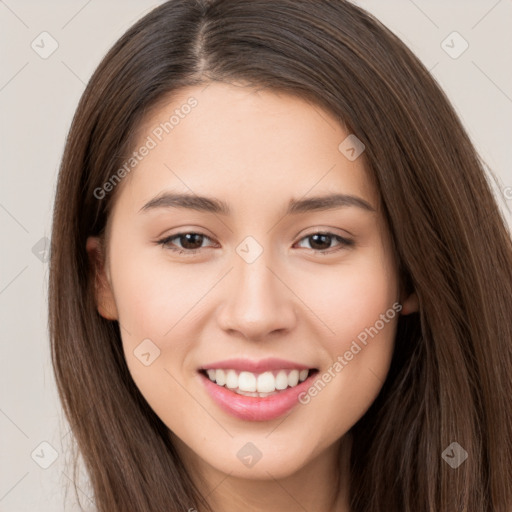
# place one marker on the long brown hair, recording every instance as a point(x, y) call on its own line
point(450, 378)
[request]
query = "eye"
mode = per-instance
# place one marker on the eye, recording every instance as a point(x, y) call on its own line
point(191, 242)
point(321, 241)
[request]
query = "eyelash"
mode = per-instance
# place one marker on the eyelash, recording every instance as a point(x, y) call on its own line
point(344, 242)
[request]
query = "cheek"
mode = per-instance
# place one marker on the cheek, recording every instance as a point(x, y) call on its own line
point(152, 297)
point(360, 308)
point(152, 305)
point(351, 296)
point(359, 356)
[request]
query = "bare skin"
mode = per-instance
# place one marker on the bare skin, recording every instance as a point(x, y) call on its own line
point(302, 299)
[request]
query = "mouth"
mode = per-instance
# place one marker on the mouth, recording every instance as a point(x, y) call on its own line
point(261, 385)
point(256, 391)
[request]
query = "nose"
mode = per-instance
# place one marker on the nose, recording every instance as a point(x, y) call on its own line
point(258, 301)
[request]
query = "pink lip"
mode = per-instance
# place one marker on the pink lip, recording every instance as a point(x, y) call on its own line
point(255, 366)
point(251, 408)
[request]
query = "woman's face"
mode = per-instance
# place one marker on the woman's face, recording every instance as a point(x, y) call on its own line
point(276, 289)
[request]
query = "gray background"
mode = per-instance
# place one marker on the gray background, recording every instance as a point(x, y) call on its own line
point(37, 99)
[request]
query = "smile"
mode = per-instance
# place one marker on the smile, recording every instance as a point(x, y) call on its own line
point(256, 391)
point(261, 385)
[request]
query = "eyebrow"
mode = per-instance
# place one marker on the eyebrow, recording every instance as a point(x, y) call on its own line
point(295, 206)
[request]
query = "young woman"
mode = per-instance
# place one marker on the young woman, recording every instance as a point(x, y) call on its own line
point(279, 278)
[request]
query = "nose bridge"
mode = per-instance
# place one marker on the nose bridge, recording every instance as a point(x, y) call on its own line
point(257, 302)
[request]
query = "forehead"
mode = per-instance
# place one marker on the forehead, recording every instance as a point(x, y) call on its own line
point(240, 142)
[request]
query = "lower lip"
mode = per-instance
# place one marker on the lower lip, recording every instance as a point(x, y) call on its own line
point(252, 408)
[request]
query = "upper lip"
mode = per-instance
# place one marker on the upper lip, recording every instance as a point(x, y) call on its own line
point(252, 366)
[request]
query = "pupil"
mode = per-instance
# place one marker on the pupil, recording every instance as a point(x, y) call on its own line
point(315, 241)
point(189, 240)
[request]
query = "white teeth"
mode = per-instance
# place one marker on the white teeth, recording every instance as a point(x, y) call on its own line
point(281, 380)
point(293, 378)
point(263, 384)
point(220, 377)
point(246, 381)
point(266, 383)
point(231, 379)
